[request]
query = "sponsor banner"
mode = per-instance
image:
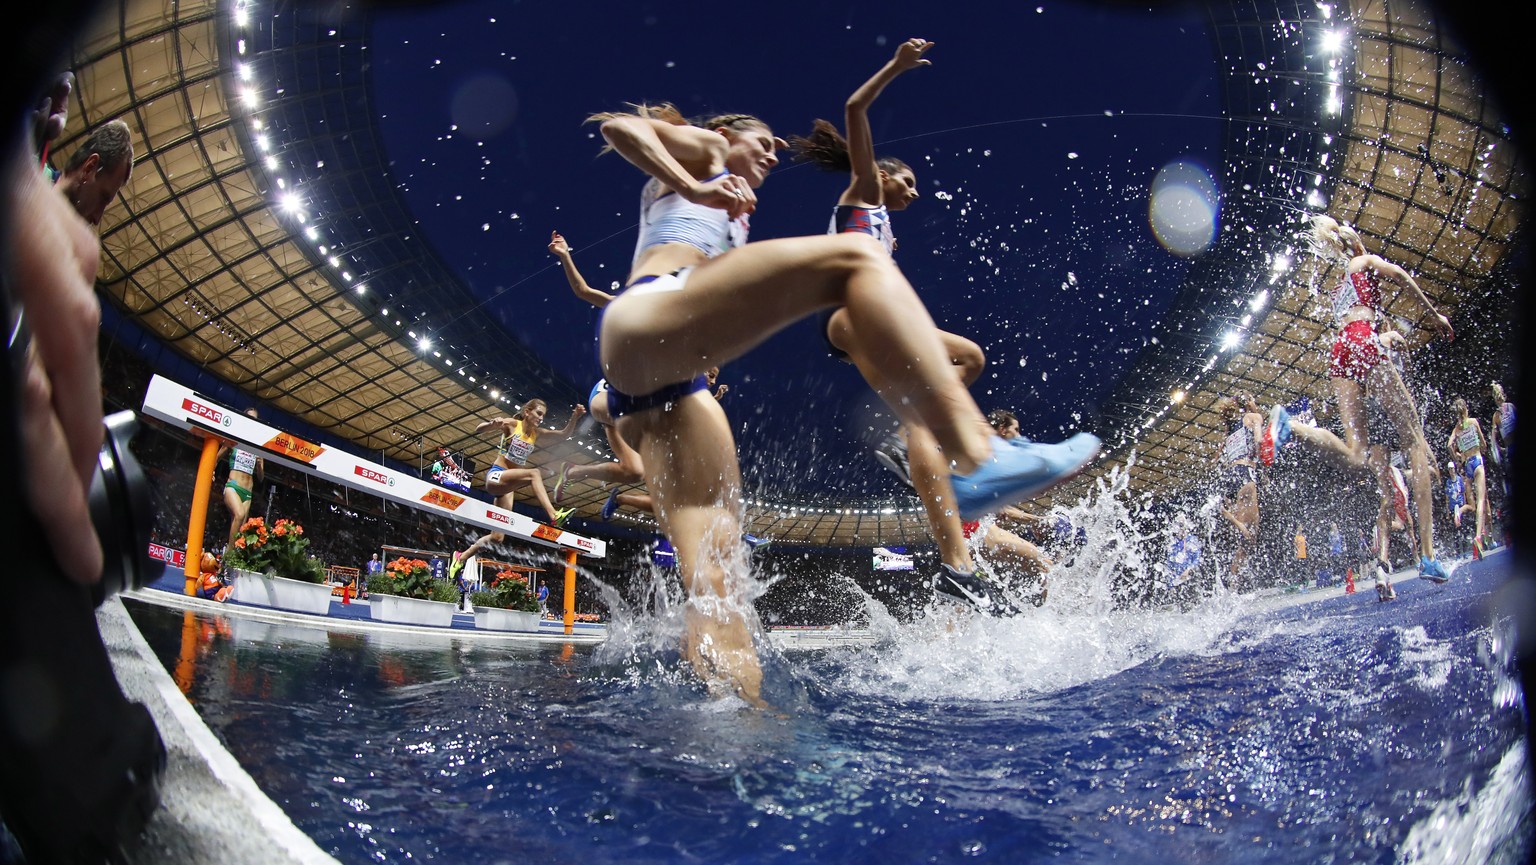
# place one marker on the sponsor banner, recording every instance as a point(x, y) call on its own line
point(206, 412)
point(177, 558)
point(892, 559)
point(442, 498)
point(295, 447)
point(181, 406)
point(368, 473)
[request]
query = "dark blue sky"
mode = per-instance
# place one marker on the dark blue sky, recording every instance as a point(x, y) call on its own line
point(1035, 136)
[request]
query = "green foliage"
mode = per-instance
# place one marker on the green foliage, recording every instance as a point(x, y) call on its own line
point(507, 591)
point(281, 551)
point(411, 578)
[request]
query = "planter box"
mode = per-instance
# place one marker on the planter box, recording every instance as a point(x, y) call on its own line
point(495, 619)
point(410, 611)
point(281, 593)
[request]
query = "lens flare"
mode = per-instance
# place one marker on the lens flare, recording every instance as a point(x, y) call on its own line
point(1183, 208)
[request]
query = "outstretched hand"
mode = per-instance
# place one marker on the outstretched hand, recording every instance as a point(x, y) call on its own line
point(557, 244)
point(909, 54)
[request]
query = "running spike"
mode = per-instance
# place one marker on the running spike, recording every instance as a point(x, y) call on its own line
point(1430, 569)
point(891, 452)
point(1276, 433)
point(611, 506)
point(561, 516)
point(971, 590)
point(1015, 472)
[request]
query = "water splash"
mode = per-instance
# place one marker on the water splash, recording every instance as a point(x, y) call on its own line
point(1084, 632)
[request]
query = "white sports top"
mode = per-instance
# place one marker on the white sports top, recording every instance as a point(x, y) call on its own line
point(666, 217)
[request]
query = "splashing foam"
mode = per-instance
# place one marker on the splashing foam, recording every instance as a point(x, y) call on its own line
point(1080, 635)
point(645, 635)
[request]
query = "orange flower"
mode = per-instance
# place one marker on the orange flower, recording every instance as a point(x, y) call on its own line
point(240, 543)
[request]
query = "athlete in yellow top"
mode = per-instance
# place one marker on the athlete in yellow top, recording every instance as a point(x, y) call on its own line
point(520, 433)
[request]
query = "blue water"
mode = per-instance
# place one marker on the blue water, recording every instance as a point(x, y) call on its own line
point(1332, 731)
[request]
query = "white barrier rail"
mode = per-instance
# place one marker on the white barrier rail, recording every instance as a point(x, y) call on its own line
point(181, 406)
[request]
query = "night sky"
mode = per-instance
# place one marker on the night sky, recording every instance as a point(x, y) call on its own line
point(1035, 137)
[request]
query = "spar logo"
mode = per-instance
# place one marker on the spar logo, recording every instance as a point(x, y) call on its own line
point(442, 499)
point(206, 412)
point(498, 517)
point(586, 543)
point(377, 477)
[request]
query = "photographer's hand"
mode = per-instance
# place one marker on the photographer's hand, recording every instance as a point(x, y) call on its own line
point(54, 257)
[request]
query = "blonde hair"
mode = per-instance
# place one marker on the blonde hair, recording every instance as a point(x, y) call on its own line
point(522, 413)
point(1334, 239)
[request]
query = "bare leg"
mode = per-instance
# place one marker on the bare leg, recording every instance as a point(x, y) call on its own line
point(1398, 403)
point(513, 478)
point(638, 502)
point(691, 467)
point(1016, 551)
point(238, 510)
point(480, 542)
point(628, 470)
point(928, 468)
point(1480, 485)
point(930, 478)
point(652, 339)
point(1350, 452)
point(1244, 516)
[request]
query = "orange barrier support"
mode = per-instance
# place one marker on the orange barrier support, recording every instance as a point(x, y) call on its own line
point(570, 591)
point(198, 519)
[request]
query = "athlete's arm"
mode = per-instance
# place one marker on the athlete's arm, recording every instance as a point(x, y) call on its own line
point(495, 421)
point(864, 187)
point(570, 425)
point(678, 156)
point(579, 286)
point(1391, 271)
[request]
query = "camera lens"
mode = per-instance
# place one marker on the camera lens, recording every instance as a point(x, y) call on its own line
point(120, 510)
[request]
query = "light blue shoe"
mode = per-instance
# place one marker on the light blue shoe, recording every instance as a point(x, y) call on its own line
point(1431, 569)
point(1276, 433)
point(1020, 470)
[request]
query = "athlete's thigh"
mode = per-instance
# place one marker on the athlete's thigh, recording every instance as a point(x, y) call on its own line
point(728, 306)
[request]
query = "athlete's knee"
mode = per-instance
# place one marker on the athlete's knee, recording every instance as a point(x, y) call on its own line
point(966, 355)
point(854, 254)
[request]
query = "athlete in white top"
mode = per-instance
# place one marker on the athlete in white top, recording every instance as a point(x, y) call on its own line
point(685, 311)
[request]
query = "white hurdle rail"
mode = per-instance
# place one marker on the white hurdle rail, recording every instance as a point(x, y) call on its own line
point(181, 406)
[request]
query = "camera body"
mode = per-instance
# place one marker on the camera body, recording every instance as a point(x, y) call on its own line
point(80, 764)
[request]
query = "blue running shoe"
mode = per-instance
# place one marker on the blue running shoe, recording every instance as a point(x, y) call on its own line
point(1018, 471)
point(1430, 569)
point(1276, 433)
point(611, 506)
point(753, 541)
